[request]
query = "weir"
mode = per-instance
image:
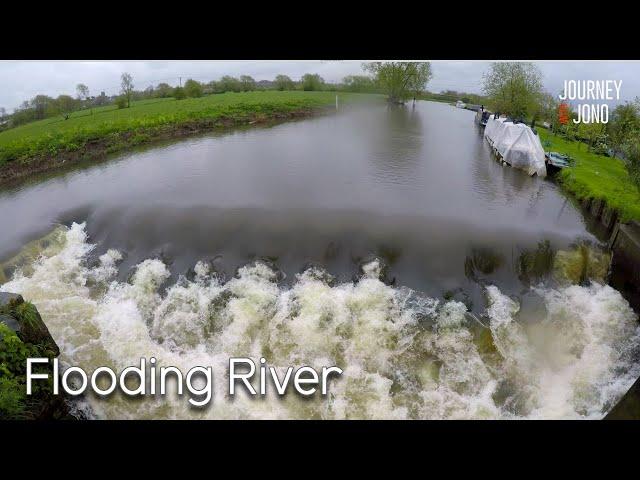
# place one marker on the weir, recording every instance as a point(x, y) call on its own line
point(624, 276)
point(625, 262)
point(300, 314)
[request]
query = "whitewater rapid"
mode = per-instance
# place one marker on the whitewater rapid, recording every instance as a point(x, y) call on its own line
point(404, 355)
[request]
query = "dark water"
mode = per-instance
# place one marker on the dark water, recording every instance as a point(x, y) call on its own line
point(416, 187)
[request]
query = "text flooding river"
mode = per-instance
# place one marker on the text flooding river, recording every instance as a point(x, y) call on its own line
point(386, 241)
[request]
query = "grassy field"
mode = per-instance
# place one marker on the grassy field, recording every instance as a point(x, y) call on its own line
point(596, 176)
point(53, 136)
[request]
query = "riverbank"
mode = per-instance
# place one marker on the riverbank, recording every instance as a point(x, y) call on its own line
point(595, 177)
point(24, 335)
point(52, 143)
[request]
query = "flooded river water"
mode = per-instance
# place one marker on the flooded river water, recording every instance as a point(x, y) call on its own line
point(387, 241)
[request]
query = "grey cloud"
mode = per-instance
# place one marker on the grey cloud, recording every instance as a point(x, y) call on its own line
point(21, 80)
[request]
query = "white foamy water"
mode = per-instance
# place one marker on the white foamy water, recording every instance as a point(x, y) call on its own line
point(404, 355)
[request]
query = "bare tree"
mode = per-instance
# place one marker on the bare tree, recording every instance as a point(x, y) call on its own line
point(126, 85)
point(83, 93)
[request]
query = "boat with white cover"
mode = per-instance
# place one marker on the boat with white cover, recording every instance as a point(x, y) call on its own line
point(516, 144)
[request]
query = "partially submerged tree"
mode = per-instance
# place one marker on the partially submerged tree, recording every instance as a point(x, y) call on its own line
point(126, 87)
point(400, 80)
point(283, 82)
point(514, 88)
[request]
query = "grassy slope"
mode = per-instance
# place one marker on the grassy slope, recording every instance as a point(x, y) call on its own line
point(596, 176)
point(53, 135)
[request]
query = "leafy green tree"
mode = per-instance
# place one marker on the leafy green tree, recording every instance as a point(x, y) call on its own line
point(312, 81)
point(179, 93)
point(632, 156)
point(121, 102)
point(66, 104)
point(283, 82)
point(248, 83)
point(126, 87)
point(230, 84)
point(623, 124)
point(192, 88)
point(163, 90)
point(591, 132)
point(514, 88)
point(400, 80)
point(43, 106)
point(23, 114)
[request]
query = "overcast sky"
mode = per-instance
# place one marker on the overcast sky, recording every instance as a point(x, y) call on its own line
point(22, 80)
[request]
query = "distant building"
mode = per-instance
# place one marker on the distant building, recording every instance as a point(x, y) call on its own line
point(101, 99)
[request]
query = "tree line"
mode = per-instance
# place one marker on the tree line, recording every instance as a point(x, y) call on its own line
point(43, 106)
point(398, 80)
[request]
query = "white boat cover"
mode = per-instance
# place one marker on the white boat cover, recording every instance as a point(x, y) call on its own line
point(517, 144)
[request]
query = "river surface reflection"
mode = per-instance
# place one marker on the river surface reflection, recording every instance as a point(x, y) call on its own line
point(415, 186)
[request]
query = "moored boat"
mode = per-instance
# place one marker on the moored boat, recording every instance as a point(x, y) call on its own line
point(516, 144)
point(557, 161)
point(482, 117)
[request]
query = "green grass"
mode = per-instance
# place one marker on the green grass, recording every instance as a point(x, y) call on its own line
point(55, 135)
point(596, 176)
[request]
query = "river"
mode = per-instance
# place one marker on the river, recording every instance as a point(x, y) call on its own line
point(385, 240)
